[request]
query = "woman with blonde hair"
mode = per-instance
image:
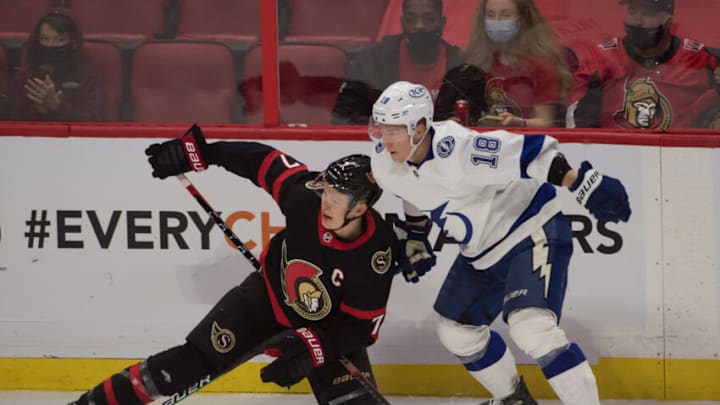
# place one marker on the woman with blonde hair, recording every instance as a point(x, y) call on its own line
point(525, 70)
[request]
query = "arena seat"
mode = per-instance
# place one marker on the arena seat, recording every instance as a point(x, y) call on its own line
point(310, 76)
point(222, 20)
point(107, 58)
point(127, 21)
point(335, 22)
point(183, 82)
point(18, 18)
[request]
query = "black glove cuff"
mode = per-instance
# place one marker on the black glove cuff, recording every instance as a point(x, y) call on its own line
point(558, 169)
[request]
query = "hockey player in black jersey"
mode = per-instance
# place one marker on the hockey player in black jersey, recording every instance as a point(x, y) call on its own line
point(321, 293)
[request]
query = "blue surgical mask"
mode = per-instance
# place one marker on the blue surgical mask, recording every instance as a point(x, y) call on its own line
point(501, 31)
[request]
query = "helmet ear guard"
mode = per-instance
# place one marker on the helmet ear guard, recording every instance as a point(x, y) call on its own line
point(402, 103)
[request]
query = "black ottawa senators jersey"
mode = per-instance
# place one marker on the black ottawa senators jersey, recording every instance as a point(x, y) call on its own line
point(314, 278)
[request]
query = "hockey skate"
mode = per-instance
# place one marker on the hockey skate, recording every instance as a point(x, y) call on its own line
point(521, 396)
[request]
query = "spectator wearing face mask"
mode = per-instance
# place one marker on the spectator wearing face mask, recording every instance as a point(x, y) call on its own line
point(649, 79)
point(418, 55)
point(516, 73)
point(55, 83)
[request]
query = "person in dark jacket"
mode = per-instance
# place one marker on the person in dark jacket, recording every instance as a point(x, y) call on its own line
point(418, 55)
point(55, 82)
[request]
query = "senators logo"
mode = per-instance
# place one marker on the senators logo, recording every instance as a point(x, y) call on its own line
point(644, 107)
point(223, 340)
point(498, 101)
point(303, 290)
point(381, 261)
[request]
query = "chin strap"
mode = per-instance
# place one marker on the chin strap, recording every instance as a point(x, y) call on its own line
point(413, 147)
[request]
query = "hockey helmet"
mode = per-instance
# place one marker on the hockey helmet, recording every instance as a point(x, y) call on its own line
point(402, 103)
point(352, 175)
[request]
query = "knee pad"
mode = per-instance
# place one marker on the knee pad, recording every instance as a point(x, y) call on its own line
point(462, 340)
point(535, 332)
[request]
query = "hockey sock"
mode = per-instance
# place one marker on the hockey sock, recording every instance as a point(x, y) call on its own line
point(494, 367)
point(128, 387)
point(570, 375)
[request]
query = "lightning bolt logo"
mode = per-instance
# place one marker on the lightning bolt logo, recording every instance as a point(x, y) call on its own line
point(439, 217)
point(540, 258)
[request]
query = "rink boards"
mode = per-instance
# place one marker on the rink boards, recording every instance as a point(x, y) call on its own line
point(100, 264)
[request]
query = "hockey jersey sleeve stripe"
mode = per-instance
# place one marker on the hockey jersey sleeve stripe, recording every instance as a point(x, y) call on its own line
point(361, 313)
point(277, 310)
point(532, 145)
point(265, 167)
point(277, 184)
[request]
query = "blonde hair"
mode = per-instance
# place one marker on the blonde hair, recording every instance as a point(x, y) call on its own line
point(535, 38)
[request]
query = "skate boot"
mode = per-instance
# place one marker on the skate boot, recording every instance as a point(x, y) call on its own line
point(521, 396)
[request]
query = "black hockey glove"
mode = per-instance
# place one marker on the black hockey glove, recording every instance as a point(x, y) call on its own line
point(297, 354)
point(416, 254)
point(604, 196)
point(176, 156)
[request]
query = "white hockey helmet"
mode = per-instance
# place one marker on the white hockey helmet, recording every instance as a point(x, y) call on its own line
point(402, 103)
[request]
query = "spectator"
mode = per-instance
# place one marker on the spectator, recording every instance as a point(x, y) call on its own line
point(651, 79)
point(55, 82)
point(515, 67)
point(419, 55)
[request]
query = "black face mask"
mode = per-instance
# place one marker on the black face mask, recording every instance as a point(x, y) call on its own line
point(423, 46)
point(644, 38)
point(55, 55)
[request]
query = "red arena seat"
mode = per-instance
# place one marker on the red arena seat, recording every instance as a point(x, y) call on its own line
point(119, 21)
point(223, 20)
point(183, 82)
point(18, 18)
point(106, 57)
point(337, 22)
point(310, 76)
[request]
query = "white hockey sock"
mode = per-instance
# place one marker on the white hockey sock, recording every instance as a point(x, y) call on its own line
point(495, 370)
point(570, 375)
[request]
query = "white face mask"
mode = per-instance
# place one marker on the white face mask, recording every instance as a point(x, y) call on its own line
point(501, 31)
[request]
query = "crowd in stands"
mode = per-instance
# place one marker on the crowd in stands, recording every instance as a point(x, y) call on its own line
point(631, 64)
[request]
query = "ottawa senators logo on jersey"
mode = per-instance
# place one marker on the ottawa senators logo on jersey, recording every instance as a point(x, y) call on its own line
point(644, 107)
point(381, 261)
point(223, 340)
point(498, 101)
point(303, 290)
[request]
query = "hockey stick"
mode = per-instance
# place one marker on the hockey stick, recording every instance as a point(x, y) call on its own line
point(349, 366)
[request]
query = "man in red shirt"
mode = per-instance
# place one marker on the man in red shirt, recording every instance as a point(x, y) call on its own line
point(650, 79)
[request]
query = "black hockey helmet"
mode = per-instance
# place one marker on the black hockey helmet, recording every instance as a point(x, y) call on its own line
point(352, 175)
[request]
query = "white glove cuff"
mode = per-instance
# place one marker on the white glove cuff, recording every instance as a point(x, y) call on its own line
point(590, 182)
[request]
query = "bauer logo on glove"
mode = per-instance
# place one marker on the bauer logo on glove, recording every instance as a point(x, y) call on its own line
point(604, 196)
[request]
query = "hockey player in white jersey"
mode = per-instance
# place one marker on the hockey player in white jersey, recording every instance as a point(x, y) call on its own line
point(494, 192)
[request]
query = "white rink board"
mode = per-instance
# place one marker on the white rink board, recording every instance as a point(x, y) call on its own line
point(125, 294)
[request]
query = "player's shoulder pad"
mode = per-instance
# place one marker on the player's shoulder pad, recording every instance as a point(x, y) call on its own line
point(445, 138)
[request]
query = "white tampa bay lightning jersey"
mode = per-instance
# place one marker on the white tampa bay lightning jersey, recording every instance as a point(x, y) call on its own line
point(487, 190)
